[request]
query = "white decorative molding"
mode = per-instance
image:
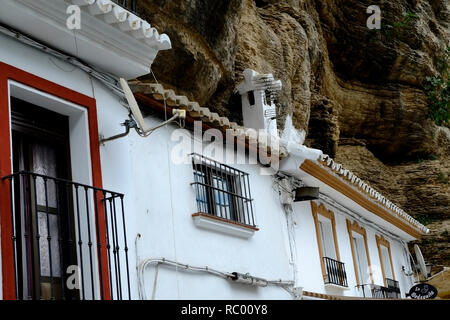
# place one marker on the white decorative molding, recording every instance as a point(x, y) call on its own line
point(372, 194)
point(100, 42)
point(213, 223)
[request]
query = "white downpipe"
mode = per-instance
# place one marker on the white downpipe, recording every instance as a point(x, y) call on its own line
point(291, 238)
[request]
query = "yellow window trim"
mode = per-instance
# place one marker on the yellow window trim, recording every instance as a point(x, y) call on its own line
point(381, 241)
point(355, 227)
point(323, 211)
point(339, 185)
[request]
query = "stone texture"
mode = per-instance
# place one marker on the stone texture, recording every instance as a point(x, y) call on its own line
point(357, 94)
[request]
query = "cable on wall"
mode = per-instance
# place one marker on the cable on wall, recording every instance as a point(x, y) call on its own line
point(230, 276)
point(108, 80)
point(344, 210)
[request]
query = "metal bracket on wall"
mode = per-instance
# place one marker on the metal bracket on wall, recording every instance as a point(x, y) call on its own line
point(128, 124)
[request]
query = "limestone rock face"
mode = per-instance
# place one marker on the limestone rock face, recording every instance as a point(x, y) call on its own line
point(356, 93)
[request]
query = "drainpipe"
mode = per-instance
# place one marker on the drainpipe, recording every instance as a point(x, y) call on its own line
point(286, 193)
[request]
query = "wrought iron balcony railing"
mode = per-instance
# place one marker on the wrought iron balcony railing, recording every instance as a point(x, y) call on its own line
point(335, 272)
point(130, 5)
point(392, 291)
point(69, 240)
point(393, 288)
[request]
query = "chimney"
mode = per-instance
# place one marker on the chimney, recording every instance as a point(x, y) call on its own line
point(258, 92)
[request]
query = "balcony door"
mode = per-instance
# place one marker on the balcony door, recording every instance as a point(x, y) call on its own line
point(326, 234)
point(362, 265)
point(44, 226)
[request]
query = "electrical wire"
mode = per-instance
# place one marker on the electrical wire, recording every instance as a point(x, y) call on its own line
point(142, 265)
point(346, 211)
point(149, 132)
point(186, 267)
point(108, 80)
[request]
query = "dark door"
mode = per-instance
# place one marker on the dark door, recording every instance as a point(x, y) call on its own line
point(43, 220)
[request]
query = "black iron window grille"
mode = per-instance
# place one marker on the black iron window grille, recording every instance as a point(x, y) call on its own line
point(130, 5)
point(222, 191)
point(335, 272)
point(56, 225)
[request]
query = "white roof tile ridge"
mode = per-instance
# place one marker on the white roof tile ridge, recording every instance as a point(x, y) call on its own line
point(196, 111)
point(374, 194)
point(128, 22)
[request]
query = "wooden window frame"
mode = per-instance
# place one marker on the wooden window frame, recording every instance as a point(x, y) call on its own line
point(381, 241)
point(324, 212)
point(355, 227)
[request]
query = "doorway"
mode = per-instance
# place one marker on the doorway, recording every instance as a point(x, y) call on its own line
point(44, 222)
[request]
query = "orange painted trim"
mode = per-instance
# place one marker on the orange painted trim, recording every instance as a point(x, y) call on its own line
point(323, 211)
point(354, 227)
point(209, 216)
point(337, 184)
point(8, 72)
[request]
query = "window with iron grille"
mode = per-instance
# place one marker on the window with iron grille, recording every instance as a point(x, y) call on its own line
point(222, 191)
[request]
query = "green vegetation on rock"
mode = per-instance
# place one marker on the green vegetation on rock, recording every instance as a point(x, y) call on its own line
point(438, 92)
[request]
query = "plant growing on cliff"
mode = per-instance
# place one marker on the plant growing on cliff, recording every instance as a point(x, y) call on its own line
point(390, 31)
point(443, 178)
point(438, 91)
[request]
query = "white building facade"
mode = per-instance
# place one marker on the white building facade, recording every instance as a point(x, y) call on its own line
point(151, 217)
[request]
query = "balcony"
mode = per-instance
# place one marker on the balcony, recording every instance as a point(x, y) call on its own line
point(68, 240)
point(335, 273)
point(392, 291)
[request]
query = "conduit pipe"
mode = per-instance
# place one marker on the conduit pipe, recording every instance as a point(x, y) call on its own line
point(232, 276)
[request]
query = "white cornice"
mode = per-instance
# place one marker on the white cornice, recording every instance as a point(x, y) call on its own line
point(100, 41)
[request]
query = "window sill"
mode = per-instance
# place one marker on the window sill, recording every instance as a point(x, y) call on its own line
point(336, 286)
point(210, 222)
